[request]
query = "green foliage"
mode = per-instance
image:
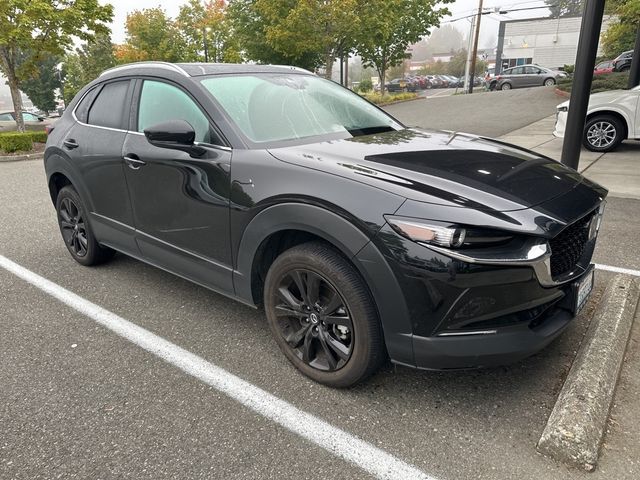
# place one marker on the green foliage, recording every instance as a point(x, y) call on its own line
point(41, 86)
point(15, 142)
point(569, 68)
point(600, 83)
point(365, 85)
point(250, 22)
point(151, 35)
point(38, 136)
point(204, 24)
point(388, 27)
point(621, 35)
point(380, 99)
point(86, 63)
point(565, 8)
point(42, 28)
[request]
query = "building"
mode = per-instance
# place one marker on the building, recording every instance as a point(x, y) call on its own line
point(548, 42)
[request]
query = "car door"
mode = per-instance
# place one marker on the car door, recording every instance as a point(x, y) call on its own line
point(180, 202)
point(93, 145)
point(517, 77)
point(532, 77)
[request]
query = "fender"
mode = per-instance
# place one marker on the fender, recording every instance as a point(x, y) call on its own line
point(626, 116)
point(57, 163)
point(354, 244)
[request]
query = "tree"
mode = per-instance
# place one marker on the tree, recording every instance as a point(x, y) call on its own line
point(41, 87)
point(324, 26)
point(42, 28)
point(621, 35)
point(206, 28)
point(457, 64)
point(151, 35)
point(388, 27)
point(565, 8)
point(446, 38)
point(249, 23)
point(86, 63)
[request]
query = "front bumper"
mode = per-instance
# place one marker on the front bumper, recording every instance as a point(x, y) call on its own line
point(561, 122)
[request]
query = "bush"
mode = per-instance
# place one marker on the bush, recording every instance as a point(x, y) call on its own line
point(39, 136)
point(600, 83)
point(569, 69)
point(14, 142)
point(379, 99)
point(365, 85)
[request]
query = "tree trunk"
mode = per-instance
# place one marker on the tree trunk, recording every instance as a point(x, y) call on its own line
point(17, 101)
point(8, 68)
point(328, 66)
point(383, 74)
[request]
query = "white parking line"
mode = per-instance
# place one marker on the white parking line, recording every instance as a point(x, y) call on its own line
point(609, 268)
point(337, 442)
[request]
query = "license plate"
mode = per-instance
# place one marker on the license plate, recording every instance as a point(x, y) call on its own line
point(582, 288)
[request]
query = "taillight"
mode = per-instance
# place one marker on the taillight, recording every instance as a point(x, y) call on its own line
point(48, 129)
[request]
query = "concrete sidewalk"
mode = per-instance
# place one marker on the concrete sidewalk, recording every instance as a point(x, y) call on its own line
point(619, 171)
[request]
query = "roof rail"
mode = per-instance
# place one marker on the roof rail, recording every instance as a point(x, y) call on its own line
point(167, 65)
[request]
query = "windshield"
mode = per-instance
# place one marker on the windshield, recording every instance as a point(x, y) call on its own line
point(281, 107)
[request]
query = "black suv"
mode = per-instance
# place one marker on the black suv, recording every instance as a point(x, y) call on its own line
point(362, 239)
point(622, 63)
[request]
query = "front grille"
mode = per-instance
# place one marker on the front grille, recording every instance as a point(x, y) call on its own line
point(567, 247)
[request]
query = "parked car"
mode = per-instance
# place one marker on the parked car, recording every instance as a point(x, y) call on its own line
point(400, 85)
point(31, 121)
point(436, 81)
point(622, 62)
point(525, 76)
point(361, 238)
point(603, 67)
point(611, 118)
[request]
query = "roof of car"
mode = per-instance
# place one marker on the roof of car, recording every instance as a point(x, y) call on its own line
point(200, 69)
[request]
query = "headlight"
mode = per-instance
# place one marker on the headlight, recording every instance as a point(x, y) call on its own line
point(564, 108)
point(445, 235)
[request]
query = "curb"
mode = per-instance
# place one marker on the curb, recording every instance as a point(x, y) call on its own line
point(562, 93)
point(401, 101)
point(576, 426)
point(17, 158)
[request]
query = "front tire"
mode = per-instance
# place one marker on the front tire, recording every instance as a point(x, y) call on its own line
point(322, 316)
point(76, 231)
point(603, 133)
point(549, 82)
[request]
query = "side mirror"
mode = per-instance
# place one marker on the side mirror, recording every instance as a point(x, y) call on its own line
point(174, 134)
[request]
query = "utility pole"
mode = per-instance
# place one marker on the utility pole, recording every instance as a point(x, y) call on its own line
point(467, 65)
point(472, 71)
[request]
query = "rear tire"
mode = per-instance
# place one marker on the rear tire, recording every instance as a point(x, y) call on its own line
point(505, 86)
point(76, 230)
point(322, 316)
point(603, 133)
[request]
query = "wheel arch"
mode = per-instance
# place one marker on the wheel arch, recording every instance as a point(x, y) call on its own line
point(613, 113)
point(59, 175)
point(286, 225)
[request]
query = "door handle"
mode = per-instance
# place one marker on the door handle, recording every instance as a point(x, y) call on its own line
point(70, 144)
point(133, 162)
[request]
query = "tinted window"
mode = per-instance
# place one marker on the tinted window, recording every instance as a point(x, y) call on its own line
point(82, 110)
point(160, 102)
point(108, 107)
point(532, 70)
point(6, 117)
point(517, 71)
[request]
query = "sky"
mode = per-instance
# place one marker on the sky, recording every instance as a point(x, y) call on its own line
point(460, 8)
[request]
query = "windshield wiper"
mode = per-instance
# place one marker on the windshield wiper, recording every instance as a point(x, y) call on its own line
point(358, 132)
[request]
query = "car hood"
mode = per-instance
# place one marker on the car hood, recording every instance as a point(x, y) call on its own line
point(439, 167)
point(602, 98)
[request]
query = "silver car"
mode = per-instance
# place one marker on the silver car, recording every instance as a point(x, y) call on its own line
point(31, 121)
point(525, 76)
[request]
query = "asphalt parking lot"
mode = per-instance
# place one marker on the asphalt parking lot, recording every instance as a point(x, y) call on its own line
point(79, 401)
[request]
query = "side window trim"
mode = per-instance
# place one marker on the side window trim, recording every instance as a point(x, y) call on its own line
point(135, 109)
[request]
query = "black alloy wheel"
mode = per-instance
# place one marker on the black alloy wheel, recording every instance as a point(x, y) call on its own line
point(73, 227)
point(76, 230)
point(322, 315)
point(314, 319)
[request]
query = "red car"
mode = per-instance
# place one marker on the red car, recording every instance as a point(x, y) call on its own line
point(603, 67)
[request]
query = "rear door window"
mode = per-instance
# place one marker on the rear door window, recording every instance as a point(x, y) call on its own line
point(108, 107)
